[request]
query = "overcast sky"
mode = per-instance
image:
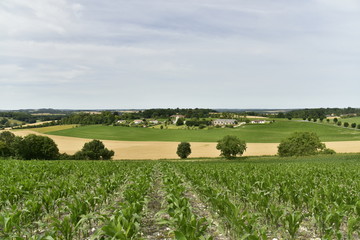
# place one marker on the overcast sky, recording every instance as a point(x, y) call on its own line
point(82, 54)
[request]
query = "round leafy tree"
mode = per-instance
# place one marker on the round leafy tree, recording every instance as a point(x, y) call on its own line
point(301, 144)
point(36, 147)
point(7, 140)
point(94, 150)
point(183, 150)
point(230, 146)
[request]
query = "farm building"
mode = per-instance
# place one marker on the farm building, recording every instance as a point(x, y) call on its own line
point(153, 121)
point(259, 122)
point(139, 121)
point(121, 122)
point(223, 122)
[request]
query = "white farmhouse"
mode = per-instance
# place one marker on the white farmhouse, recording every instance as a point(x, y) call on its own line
point(223, 122)
point(139, 121)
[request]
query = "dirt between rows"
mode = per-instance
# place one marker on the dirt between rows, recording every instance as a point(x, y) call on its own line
point(160, 150)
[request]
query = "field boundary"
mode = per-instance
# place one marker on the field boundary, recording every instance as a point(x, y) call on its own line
point(153, 150)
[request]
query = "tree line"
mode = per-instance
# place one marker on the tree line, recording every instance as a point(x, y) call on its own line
point(318, 113)
point(44, 148)
point(110, 117)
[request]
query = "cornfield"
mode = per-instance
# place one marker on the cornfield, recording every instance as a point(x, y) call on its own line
point(304, 198)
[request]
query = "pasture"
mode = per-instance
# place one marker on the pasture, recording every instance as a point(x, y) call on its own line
point(256, 133)
point(258, 197)
point(350, 120)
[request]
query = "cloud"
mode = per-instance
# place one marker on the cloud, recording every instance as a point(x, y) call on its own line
point(193, 53)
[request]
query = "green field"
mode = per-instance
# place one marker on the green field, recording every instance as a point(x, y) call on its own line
point(350, 120)
point(250, 198)
point(266, 133)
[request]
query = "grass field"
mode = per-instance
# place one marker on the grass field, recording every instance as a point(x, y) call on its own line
point(53, 128)
point(257, 197)
point(350, 120)
point(267, 133)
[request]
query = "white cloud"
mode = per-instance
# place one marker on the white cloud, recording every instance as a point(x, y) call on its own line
point(226, 54)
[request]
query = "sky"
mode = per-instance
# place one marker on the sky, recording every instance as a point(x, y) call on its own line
point(122, 54)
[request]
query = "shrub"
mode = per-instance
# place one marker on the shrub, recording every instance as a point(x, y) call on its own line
point(353, 125)
point(36, 147)
point(328, 151)
point(339, 123)
point(335, 120)
point(202, 126)
point(301, 144)
point(183, 150)
point(230, 146)
point(94, 150)
point(7, 147)
point(346, 124)
point(358, 126)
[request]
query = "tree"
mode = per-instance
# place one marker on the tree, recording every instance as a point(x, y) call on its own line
point(94, 150)
point(346, 124)
point(327, 120)
point(180, 122)
point(353, 125)
point(339, 123)
point(36, 147)
point(301, 144)
point(183, 150)
point(335, 120)
point(230, 146)
point(7, 138)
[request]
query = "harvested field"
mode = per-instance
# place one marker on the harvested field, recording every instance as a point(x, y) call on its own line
point(167, 150)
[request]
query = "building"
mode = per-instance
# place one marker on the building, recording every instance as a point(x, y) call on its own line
point(258, 122)
point(121, 122)
point(139, 121)
point(153, 121)
point(223, 122)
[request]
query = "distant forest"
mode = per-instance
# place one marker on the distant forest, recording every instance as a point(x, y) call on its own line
point(109, 117)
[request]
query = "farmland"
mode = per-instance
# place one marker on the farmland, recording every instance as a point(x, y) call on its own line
point(266, 133)
point(255, 198)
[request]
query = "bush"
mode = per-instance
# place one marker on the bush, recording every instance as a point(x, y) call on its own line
point(353, 125)
point(94, 150)
point(36, 147)
point(301, 144)
point(230, 146)
point(183, 150)
point(358, 126)
point(328, 151)
point(339, 123)
point(346, 124)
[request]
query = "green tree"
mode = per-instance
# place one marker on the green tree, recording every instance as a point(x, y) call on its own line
point(353, 125)
point(301, 144)
point(230, 146)
point(94, 150)
point(183, 150)
point(3, 149)
point(346, 124)
point(335, 120)
point(7, 138)
point(36, 147)
point(180, 122)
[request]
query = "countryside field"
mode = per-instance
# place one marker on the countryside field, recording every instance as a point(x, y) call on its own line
point(259, 133)
point(253, 198)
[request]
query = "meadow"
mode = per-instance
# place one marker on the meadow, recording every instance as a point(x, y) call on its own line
point(248, 198)
point(253, 133)
point(350, 120)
